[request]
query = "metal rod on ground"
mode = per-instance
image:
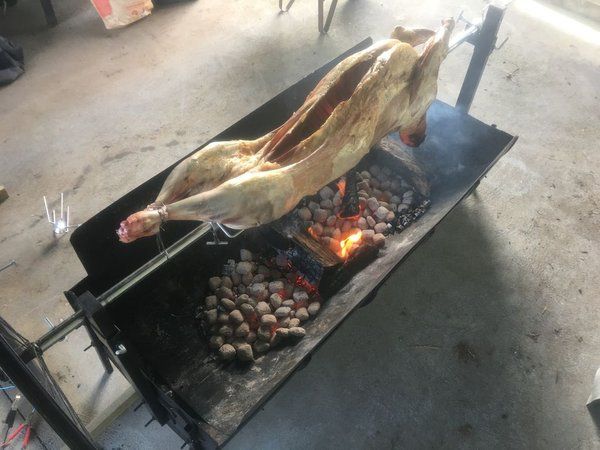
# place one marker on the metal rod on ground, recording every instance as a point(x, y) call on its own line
point(11, 263)
point(41, 400)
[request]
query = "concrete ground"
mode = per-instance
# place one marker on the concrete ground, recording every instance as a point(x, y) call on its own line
point(493, 338)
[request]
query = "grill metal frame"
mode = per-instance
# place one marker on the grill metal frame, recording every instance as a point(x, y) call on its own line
point(98, 250)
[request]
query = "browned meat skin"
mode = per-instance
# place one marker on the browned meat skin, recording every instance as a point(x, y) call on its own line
point(387, 87)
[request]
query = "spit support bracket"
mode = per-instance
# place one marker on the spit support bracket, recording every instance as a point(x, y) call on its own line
point(215, 227)
point(112, 346)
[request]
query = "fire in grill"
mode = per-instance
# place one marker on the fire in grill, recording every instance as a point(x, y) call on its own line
point(261, 302)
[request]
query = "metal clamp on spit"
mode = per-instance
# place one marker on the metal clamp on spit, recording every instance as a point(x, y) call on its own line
point(215, 226)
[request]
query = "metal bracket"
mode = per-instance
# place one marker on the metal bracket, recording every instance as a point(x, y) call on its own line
point(323, 27)
point(216, 241)
point(109, 337)
point(215, 227)
point(90, 306)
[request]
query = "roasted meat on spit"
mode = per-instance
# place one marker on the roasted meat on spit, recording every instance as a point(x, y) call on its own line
point(386, 87)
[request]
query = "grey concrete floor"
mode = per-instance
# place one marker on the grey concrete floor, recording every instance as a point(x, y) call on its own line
point(511, 274)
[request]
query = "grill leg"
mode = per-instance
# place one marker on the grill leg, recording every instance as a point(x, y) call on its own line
point(287, 7)
point(483, 42)
point(324, 28)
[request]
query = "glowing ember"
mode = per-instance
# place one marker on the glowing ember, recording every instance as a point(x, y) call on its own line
point(384, 201)
point(346, 244)
point(341, 185)
point(307, 286)
point(312, 233)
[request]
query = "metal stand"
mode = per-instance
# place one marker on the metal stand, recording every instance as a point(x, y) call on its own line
point(324, 28)
point(287, 7)
point(95, 342)
point(106, 335)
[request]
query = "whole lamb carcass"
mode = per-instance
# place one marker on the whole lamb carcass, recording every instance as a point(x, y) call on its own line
point(386, 87)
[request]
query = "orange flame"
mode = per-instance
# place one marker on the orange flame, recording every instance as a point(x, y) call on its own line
point(346, 244)
point(341, 185)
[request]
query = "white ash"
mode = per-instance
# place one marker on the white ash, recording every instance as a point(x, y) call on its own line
point(264, 333)
point(247, 309)
point(211, 302)
point(236, 317)
point(244, 352)
point(276, 286)
point(214, 283)
point(229, 305)
point(302, 314)
point(243, 267)
point(262, 308)
point(261, 347)
point(275, 300)
point(211, 316)
point(289, 303)
point(280, 335)
point(223, 318)
point(251, 337)
point(216, 342)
